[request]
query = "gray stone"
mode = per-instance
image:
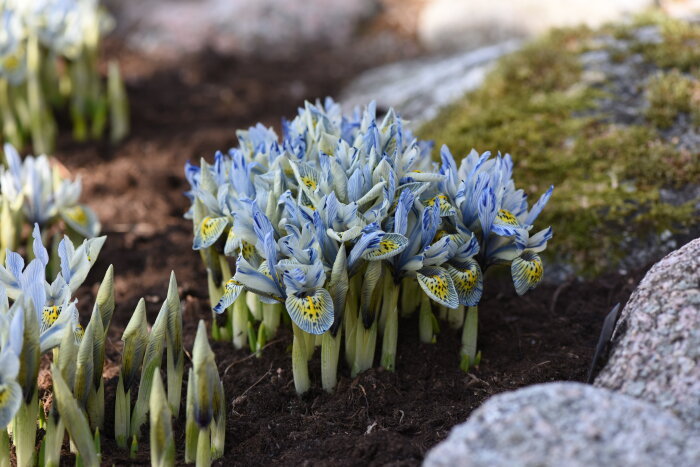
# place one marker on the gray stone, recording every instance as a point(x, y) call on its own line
point(568, 424)
point(656, 343)
point(463, 24)
point(418, 89)
point(270, 28)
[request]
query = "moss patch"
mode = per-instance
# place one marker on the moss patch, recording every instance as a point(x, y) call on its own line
point(609, 175)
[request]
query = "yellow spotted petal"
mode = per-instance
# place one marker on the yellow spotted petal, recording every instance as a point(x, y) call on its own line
point(468, 282)
point(81, 219)
point(49, 316)
point(209, 231)
point(390, 245)
point(248, 250)
point(438, 285)
point(312, 313)
point(527, 272)
point(446, 209)
point(505, 217)
point(232, 289)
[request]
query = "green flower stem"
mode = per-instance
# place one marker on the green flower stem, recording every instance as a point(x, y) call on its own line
point(4, 449)
point(191, 428)
point(118, 104)
point(455, 317)
point(272, 314)
point(10, 127)
point(425, 321)
point(330, 351)
point(204, 448)
point(391, 325)
point(443, 312)
point(309, 345)
point(240, 322)
point(300, 362)
point(218, 434)
point(350, 321)
point(42, 124)
point(409, 299)
point(469, 335)
point(254, 305)
point(24, 434)
point(174, 377)
point(365, 343)
point(215, 293)
point(8, 233)
point(122, 415)
point(96, 404)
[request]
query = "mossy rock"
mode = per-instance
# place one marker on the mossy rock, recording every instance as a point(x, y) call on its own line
point(611, 117)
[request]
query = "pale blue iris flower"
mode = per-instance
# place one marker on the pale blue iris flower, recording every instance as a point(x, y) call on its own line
point(368, 187)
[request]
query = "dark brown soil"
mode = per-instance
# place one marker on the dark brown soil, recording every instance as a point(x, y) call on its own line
point(378, 418)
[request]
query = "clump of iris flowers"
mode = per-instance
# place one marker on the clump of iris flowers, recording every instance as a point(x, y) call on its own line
point(35, 191)
point(347, 224)
point(49, 61)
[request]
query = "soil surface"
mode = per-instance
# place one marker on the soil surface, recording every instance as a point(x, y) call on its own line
point(189, 111)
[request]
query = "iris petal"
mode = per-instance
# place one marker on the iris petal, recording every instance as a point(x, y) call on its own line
point(313, 313)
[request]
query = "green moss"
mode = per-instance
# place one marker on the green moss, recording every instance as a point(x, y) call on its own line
point(669, 94)
point(679, 47)
point(607, 177)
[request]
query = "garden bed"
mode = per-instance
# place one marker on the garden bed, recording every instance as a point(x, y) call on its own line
point(377, 418)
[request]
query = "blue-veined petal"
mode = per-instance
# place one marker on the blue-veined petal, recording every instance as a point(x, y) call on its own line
point(404, 205)
point(446, 209)
point(209, 232)
point(468, 282)
point(232, 289)
point(313, 312)
point(40, 252)
point(391, 244)
point(538, 242)
point(539, 205)
point(438, 285)
point(11, 274)
point(255, 281)
point(527, 271)
point(345, 236)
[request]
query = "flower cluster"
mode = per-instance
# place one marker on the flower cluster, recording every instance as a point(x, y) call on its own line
point(48, 59)
point(33, 191)
point(343, 214)
point(37, 316)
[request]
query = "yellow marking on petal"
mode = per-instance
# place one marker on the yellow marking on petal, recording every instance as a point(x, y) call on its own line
point(78, 214)
point(209, 230)
point(417, 171)
point(309, 182)
point(439, 234)
point(446, 208)
point(248, 250)
point(50, 315)
point(527, 272)
point(506, 217)
point(11, 63)
point(390, 243)
point(78, 332)
point(438, 285)
point(312, 313)
point(231, 284)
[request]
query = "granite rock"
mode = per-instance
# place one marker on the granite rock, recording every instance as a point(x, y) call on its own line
point(567, 424)
point(656, 344)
